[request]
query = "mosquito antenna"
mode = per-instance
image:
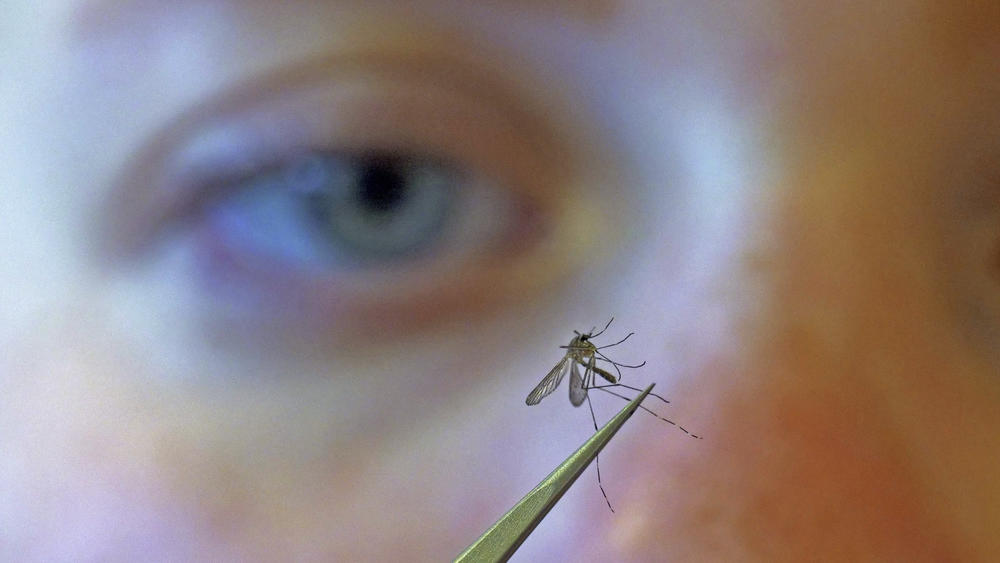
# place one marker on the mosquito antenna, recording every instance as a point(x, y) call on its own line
point(602, 330)
point(616, 343)
point(610, 361)
point(597, 458)
point(667, 420)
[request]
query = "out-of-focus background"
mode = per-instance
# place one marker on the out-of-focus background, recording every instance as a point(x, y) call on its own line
point(278, 278)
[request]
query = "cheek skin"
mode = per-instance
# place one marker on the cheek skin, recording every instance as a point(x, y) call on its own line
point(787, 472)
point(851, 421)
point(104, 464)
point(811, 443)
point(89, 457)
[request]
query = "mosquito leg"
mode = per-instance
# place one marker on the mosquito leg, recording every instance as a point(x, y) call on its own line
point(597, 459)
point(632, 388)
point(667, 420)
point(610, 361)
point(588, 375)
point(593, 418)
point(605, 358)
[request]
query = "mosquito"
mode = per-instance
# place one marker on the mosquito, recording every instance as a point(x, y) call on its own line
point(581, 351)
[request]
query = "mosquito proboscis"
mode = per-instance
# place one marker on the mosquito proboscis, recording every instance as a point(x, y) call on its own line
point(581, 351)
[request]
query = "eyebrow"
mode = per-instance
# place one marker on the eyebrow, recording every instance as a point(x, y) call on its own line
point(94, 17)
point(587, 11)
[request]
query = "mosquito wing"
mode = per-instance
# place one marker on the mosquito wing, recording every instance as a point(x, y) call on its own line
point(577, 392)
point(550, 382)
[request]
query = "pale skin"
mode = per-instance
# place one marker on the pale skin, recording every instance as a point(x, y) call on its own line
point(794, 206)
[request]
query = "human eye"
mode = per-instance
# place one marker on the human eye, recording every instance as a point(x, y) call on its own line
point(372, 192)
point(323, 211)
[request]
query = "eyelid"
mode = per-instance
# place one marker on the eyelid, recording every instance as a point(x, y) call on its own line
point(250, 127)
point(155, 184)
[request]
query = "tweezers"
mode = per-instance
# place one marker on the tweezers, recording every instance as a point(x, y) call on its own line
point(503, 538)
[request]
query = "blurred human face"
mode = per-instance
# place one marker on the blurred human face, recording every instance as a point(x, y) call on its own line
point(277, 278)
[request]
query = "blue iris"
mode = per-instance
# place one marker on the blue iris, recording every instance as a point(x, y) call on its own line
point(326, 208)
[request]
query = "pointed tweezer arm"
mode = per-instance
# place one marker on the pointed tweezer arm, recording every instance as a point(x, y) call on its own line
point(504, 537)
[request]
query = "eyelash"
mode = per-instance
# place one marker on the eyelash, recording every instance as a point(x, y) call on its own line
point(211, 155)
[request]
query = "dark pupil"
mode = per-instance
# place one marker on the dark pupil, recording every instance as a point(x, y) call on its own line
point(382, 185)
